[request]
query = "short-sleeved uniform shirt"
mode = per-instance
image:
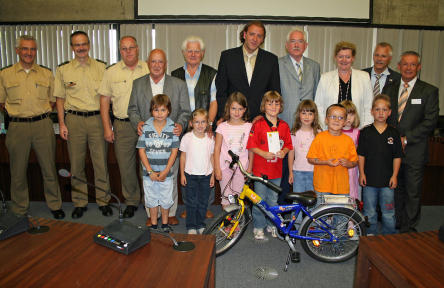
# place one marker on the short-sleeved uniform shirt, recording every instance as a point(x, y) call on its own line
point(326, 146)
point(79, 84)
point(158, 146)
point(258, 139)
point(117, 83)
point(379, 150)
point(26, 94)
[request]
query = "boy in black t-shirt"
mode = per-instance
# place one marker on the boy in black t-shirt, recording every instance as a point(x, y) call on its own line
point(379, 152)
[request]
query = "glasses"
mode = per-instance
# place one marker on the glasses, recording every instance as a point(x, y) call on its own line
point(193, 51)
point(26, 49)
point(334, 117)
point(127, 49)
point(80, 44)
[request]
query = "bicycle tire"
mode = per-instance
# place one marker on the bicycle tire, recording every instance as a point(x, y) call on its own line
point(219, 229)
point(346, 246)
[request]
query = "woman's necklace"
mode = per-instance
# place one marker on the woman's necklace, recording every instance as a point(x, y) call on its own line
point(343, 97)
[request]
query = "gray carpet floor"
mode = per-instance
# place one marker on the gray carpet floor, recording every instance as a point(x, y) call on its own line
point(236, 268)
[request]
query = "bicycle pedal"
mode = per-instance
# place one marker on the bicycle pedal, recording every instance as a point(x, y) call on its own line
point(295, 257)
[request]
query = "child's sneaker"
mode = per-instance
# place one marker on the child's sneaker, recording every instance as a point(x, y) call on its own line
point(259, 234)
point(273, 231)
point(192, 231)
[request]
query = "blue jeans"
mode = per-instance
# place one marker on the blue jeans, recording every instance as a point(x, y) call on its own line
point(302, 181)
point(197, 192)
point(373, 196)
point(269, 196)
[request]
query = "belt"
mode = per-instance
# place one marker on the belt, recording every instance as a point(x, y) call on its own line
point(123, 120)
point(84, 114)
point(29, 119)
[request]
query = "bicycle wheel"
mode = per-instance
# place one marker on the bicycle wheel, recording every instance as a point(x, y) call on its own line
point(345, 224)
point(221, 228)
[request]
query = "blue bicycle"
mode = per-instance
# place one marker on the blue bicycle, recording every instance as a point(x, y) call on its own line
point(329, 233)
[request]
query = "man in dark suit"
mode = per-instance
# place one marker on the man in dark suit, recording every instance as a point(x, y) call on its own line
point(144, 88)
point(247, 69)
point(415, 108)
point(380, 74)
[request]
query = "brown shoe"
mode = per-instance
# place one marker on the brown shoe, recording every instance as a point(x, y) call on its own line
point(184, 214)
point(148, 222)
point(173, 221)
point(209, 214)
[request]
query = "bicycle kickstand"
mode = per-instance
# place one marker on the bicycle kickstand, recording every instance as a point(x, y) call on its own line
point(293, 256)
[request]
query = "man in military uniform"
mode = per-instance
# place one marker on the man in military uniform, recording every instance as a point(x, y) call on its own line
point(116, 88)
point(76, 88)
point(26, 92)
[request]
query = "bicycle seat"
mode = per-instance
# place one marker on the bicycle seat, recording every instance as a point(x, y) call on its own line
point(307, 198)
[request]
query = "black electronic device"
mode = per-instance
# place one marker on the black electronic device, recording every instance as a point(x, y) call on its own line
point(121, 236)
point(12, 224)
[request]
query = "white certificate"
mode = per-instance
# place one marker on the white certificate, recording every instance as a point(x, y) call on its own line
point(273, 142)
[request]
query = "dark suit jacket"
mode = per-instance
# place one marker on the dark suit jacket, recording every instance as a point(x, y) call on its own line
point(392, 77)
point(141, 95)
point(418, 119)
point(232, 77)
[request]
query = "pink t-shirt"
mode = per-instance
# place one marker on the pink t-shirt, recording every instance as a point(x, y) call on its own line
point(234, 138)
point(198, 154)
point(301, 143)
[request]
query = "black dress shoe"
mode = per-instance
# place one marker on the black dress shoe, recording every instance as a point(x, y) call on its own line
point(58, 214)
point(106, 210)
point(129, 211)
point(78, 212)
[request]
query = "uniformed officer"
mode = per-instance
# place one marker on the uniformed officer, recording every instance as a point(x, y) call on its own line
point(26, 92)
point(116, 88)
point(76, 88)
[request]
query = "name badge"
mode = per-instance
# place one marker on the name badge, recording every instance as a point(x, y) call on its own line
point(416, 101)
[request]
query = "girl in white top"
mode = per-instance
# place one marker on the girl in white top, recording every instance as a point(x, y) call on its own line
point(232, 135)
point(306, 126)
point(196, 170)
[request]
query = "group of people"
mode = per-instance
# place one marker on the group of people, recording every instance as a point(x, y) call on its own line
point(376, 126)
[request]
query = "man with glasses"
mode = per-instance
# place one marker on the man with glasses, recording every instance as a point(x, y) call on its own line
point(116, 88)
point(76, 88)
point(26, 91)
point(201, 87)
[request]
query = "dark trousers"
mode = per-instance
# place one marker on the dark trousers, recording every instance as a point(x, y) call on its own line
point(284, 182)
point(408, 196)
point(197, 192)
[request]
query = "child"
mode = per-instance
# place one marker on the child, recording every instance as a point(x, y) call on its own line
point(305, 128)
point(268, 158)
point(332, 153)
point(196, 170)
point(351, 129)
point(232, 135)
point(380, 152)
point(158, 144)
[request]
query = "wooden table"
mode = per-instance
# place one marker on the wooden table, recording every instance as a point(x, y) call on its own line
point(401, 260)
point(66, 256)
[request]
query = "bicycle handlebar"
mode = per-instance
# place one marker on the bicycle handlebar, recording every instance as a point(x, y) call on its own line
point(235, 160)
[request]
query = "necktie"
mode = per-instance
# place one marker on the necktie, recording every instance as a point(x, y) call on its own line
point(403, 100)
point(299, 71)
point(377, 88)
point(249, 68)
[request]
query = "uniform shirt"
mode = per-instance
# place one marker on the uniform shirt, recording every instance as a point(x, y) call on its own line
point(26, 94)
point(326, 146)
point(258, 139)
point(117, 83)
point(158, 146)
point(79, 84)
point(379, 150)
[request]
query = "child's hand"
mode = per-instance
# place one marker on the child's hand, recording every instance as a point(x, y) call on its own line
point(218, 174)
point(268, 155)
point(154, 176)
point(346, 163)
point(393, 183)
point(280, 154)
point(212, 180)
point(249, 169)
point(183, 180)
point(363, 180)
point(332, 162)
point(162, 176)
point(290, 177)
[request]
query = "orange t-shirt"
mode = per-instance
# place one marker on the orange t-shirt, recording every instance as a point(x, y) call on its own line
point(326, 146)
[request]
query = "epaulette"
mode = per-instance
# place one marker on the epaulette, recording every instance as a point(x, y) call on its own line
point(45, 67)
point(6, 67)
point(109, 65)
point(64, 63)
point(101, 61)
